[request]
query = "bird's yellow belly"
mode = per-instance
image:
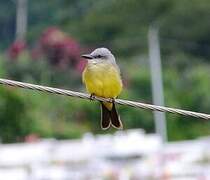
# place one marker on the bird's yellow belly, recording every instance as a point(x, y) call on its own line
point(102, 80)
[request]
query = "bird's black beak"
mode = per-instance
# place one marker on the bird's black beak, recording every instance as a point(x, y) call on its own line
point(87, 56)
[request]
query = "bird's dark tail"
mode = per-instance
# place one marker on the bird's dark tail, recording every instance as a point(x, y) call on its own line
point(110, 117)
point(105, 117)
point(115, 118)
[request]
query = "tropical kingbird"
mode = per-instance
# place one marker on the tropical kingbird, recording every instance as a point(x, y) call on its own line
point(102, 78)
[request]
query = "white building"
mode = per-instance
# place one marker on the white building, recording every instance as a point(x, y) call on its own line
point(130, 154)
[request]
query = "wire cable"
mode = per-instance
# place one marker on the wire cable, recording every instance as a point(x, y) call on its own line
point(118, 101)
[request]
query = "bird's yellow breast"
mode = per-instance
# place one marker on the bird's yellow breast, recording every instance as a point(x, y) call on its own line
point(102, 79)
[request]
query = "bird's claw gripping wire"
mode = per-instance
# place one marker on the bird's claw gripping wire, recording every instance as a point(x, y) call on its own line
point(112, 100)
point(92, 97)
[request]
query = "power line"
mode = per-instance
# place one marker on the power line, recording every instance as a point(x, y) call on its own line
point(118, 101)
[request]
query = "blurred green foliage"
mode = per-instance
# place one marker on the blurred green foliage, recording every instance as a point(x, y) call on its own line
point(121, 25)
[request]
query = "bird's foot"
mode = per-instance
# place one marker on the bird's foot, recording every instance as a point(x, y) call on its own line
point(112, 100)
point(92, 97)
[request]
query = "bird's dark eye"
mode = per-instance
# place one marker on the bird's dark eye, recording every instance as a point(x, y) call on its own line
point(99, 56)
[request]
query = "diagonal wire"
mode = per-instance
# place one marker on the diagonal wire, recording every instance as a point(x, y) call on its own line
point(118, 101)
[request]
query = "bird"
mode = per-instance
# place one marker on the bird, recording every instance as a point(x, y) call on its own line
point(102, 78)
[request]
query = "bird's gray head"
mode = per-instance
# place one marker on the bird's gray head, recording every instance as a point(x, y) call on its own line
point(100, 55)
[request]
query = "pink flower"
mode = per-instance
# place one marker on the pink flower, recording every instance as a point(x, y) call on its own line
point(81, 65)
point(59, 48)
point(16, 49)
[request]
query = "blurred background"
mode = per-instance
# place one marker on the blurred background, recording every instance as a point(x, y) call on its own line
point(41, 42)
